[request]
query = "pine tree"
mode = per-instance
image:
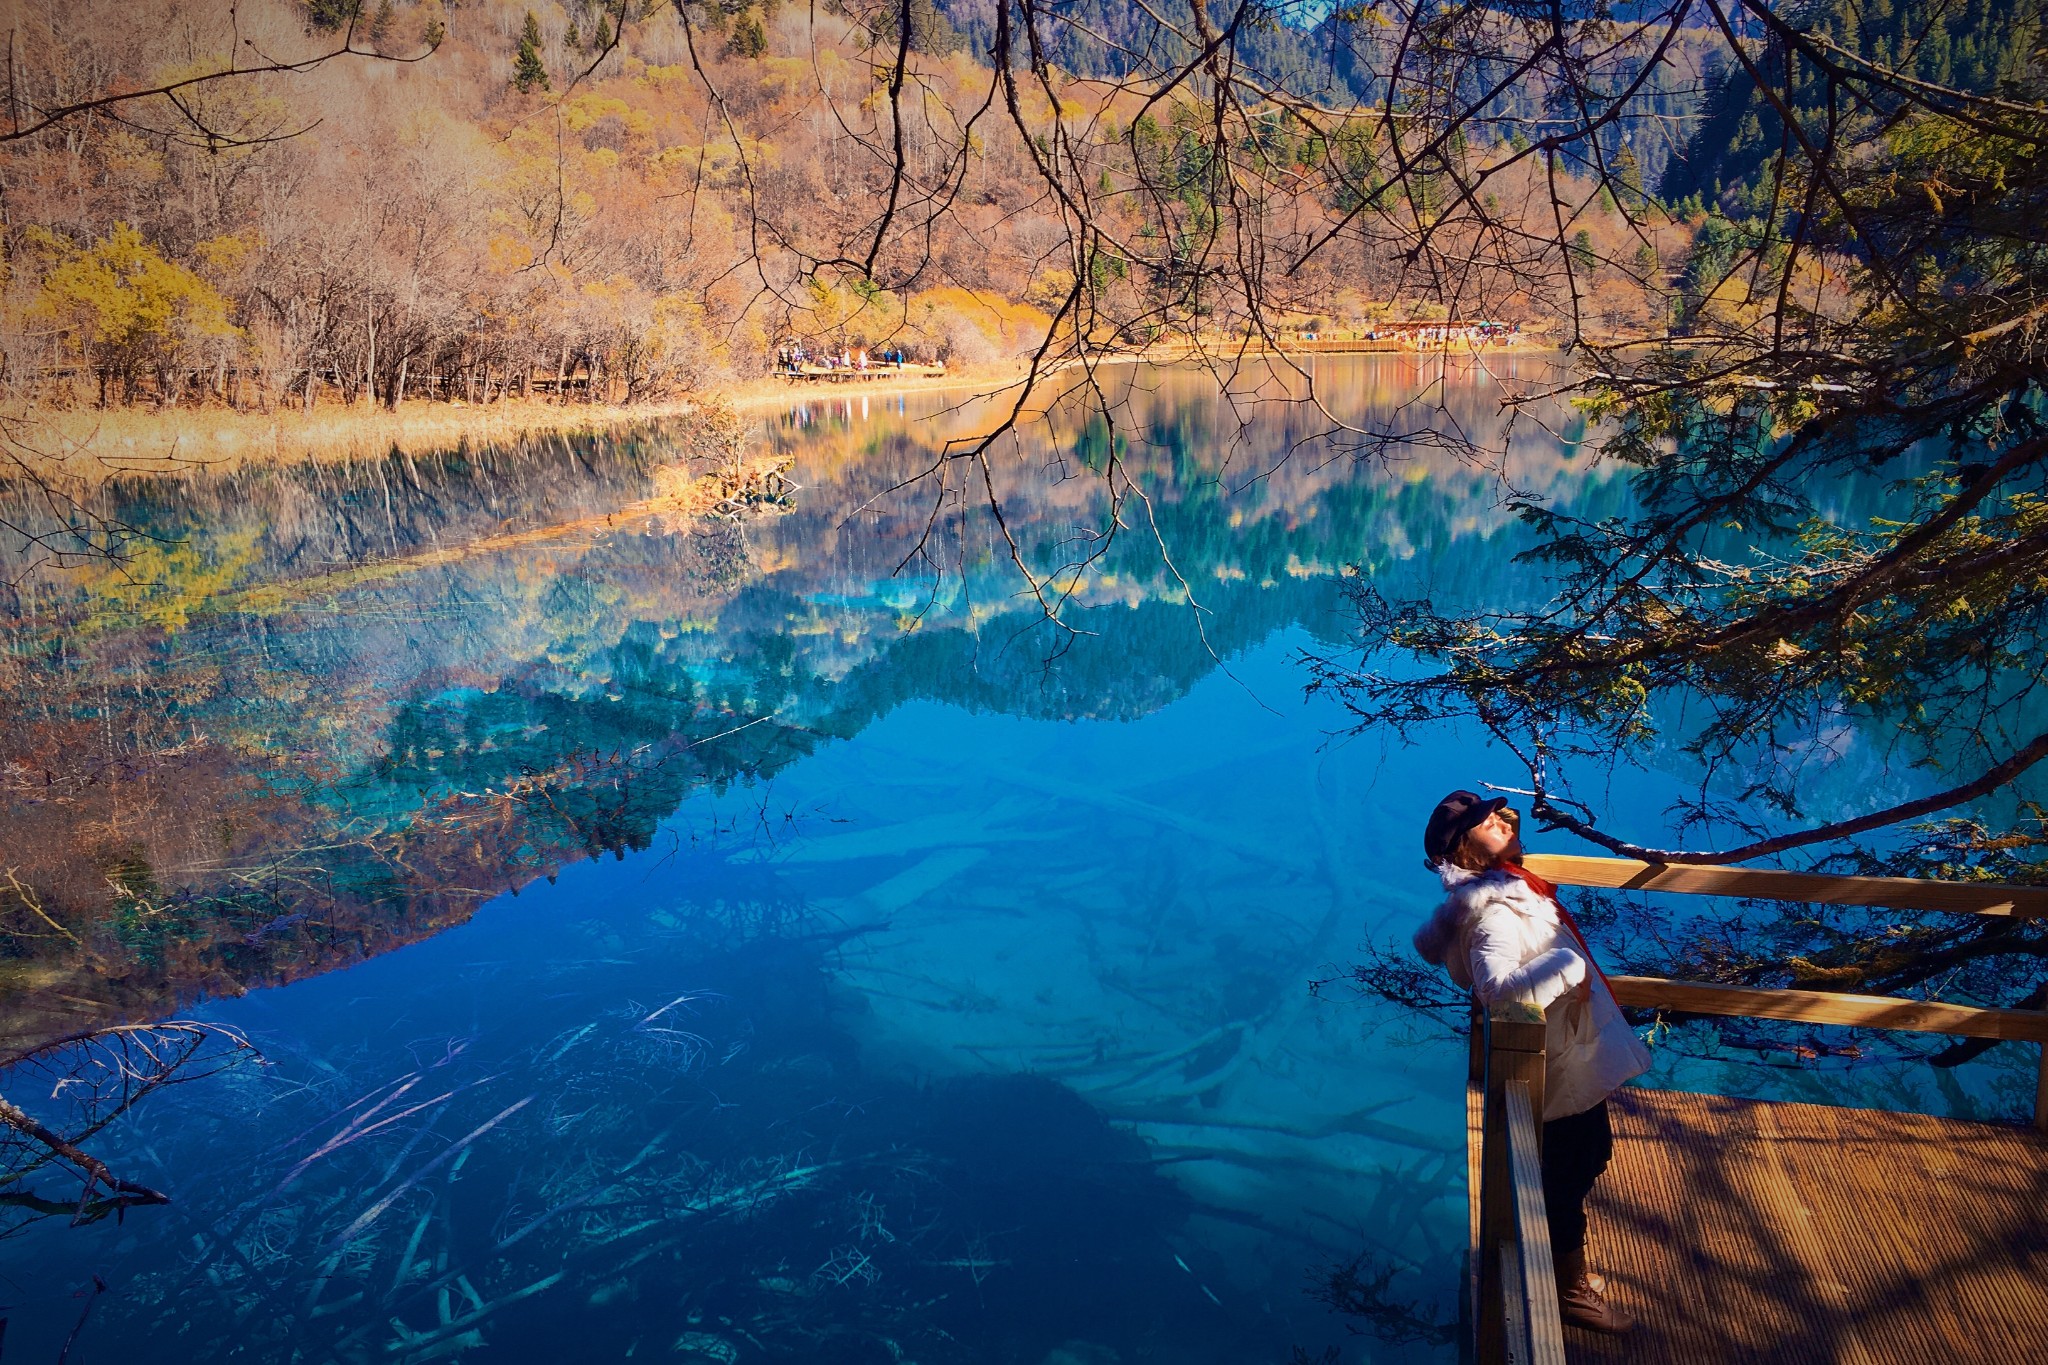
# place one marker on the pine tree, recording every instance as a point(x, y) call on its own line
point(527, 68)
point(1628, 170)
point(749, 38)
point(380, 23)
point(1584, 258)
point(1935, 54)
point(332, 14)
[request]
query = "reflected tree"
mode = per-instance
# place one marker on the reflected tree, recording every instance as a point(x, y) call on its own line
point(1363, 1289)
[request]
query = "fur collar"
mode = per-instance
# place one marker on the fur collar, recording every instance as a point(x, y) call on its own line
point(1452, 875)
point(1466, 894)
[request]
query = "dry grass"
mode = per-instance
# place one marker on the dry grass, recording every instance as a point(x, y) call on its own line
point(88, 445)
point(93, 444)
point(84, 446)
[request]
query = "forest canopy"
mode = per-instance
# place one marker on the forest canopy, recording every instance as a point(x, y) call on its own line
point(620, 200)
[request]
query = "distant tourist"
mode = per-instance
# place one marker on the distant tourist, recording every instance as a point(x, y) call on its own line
point(1502, 934)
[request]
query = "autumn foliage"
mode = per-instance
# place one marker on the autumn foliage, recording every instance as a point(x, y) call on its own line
point(497, 218)
point(488, 199)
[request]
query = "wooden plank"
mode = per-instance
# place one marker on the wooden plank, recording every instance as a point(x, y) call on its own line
point(1778, 1233)
point(2041, 1091)
point(1514, 1344)
point(1475, 1151)
point(1514, 1054)
point(1475, 1154)
point(1827, 1007)
point(1543, 1328)
point(1890, 893)
point(1515, 1035)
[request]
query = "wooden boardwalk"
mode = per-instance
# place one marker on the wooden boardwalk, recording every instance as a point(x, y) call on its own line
point(846, 375)
point(1741, 1232)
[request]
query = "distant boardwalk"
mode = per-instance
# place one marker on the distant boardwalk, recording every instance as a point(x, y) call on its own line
point(843, 374)
point(1404, 336)
point(1796, 1234)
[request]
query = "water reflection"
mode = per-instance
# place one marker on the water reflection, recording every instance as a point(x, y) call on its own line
point(893, 976)
point(326, 711)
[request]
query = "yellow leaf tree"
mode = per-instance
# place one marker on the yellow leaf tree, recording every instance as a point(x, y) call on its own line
point(127, 312)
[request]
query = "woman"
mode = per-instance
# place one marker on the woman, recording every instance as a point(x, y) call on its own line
point(1501, 934)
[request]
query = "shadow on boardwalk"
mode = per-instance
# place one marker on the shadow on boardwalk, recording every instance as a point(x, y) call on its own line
point(1741, 1231)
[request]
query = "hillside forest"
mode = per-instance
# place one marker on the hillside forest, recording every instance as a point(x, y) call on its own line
point(461, 201)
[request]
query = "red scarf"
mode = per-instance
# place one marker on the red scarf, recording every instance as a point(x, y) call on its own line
point(1548, 890)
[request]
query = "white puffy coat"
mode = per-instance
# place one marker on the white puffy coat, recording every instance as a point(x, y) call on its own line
point(1500, 939)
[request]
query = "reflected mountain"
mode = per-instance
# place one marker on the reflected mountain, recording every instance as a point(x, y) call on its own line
point(326, 711)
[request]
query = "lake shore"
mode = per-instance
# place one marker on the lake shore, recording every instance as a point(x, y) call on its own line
point(91, 445)
point(94, 445)
point(772, 392)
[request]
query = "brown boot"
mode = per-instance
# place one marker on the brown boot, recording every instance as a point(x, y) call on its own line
point(1582, 1299)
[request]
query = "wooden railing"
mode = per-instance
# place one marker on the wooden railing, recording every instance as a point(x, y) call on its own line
point(1820, 1007)
point(1769, 883)
point(1511, 1289)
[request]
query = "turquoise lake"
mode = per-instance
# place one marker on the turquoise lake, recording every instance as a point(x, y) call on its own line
point(765, 939)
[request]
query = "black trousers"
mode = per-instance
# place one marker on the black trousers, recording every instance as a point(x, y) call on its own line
point(1576, 1148)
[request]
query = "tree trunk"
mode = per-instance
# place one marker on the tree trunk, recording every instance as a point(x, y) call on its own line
point(562, 376)
point(398, 383)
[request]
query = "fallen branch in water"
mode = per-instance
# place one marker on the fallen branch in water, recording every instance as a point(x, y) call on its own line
point(96, 1172)
point(101, 1074)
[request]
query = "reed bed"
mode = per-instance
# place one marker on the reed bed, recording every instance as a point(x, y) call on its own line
point(91, 444)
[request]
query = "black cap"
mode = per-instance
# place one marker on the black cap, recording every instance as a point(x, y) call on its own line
point(1453, 815)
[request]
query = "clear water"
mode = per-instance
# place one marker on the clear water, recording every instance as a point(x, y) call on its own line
point(686, 942)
